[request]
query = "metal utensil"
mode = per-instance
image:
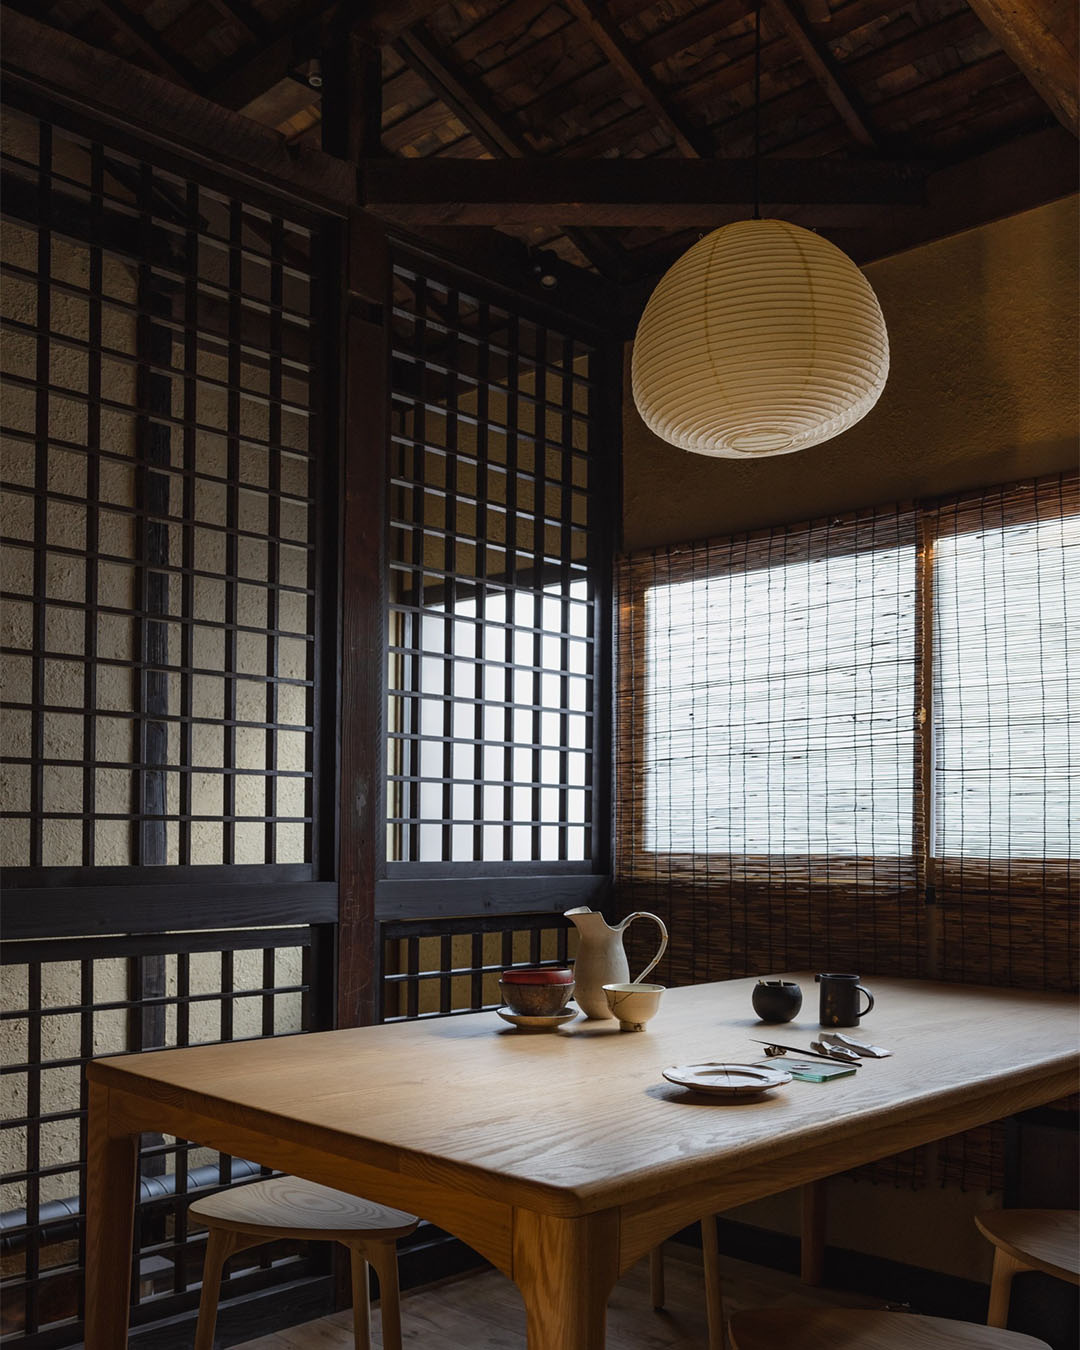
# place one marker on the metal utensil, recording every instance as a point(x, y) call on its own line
point(774, 1049)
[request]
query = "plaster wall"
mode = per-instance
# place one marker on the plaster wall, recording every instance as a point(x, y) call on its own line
point(982, 389)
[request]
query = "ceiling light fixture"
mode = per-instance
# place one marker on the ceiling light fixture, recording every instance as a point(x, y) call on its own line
point(762, 339)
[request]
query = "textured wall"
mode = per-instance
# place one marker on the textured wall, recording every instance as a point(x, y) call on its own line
point(983, 389)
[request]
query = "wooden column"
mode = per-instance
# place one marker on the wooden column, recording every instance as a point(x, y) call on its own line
point(364, 399)
point(357, 313)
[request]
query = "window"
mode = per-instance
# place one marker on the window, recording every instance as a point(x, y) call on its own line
point(857, 741)
point(1004, 739)
point(781, 698)
point(497, 579)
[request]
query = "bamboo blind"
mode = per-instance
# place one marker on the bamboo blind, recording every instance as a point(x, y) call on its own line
point(849, 744)
point(767, 702)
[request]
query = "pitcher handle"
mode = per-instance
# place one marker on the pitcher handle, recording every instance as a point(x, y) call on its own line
point(643, 914)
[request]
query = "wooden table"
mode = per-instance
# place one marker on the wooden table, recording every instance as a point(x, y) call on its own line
point(564, 1158)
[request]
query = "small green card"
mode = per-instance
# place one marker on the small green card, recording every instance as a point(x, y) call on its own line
point(809, 1070)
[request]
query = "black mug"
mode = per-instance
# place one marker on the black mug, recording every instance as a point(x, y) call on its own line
point(840, 1000)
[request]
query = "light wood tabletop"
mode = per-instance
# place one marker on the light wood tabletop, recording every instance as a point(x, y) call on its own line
point(564, 1158)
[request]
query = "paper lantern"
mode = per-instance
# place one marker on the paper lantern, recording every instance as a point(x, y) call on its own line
point(762, 339)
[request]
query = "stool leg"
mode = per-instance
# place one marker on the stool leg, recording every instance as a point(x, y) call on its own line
point(383, 1256)
point(656, 1277)
point(714, 1289)
point(220, 1245)
point(1005, 1267)
point(361, 1301)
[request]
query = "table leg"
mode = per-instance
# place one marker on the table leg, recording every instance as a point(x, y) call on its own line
point(814, 1208)
point(566, 1269)
point(112, 1172)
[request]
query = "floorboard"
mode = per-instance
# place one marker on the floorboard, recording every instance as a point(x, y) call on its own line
point(484, 1311)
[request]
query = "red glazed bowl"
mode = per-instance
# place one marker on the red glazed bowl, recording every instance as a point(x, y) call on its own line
point(537, 975)
point(539, 995)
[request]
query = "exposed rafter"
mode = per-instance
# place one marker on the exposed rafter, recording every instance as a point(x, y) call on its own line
point(39, 58)
point(608, 37)
point(826, 71)
point(1041, 37)
point(240, 81)
point(150, 44)
point(471, 103)
point(673, 193)
point(245, 16)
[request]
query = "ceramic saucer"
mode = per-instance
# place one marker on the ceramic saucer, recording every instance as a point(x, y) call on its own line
point(727, 1080)
point(526, 1023)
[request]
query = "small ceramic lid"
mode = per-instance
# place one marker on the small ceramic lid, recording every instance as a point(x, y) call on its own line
point(538, 975)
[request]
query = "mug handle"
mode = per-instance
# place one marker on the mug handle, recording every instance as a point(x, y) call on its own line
point(642, 914)
point(869, 1007)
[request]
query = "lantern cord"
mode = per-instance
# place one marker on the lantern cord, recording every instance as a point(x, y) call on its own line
point(757, 111)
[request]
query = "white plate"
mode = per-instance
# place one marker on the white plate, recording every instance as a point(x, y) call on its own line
point(727, 1080)
point(527, 1023)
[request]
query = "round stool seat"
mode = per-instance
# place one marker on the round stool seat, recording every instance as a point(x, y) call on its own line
point(1043, 1239)
point(286, 1207)
point(859, 1329)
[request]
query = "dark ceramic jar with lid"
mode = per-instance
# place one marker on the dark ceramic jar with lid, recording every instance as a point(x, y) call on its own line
point(777, 1000)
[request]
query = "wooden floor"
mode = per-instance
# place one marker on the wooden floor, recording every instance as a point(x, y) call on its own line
point(484, 1312)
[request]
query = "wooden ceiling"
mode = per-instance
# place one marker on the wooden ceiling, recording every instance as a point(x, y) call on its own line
point(882, 125)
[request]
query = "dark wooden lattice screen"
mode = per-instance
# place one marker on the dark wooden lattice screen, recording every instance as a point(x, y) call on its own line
point(161, 574)
point(496, 580)
point(158, 547)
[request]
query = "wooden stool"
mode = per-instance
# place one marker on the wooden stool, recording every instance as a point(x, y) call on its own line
point(858, 1329)
point(285, 1207)
point(812, 1263)
point(1028, 1239)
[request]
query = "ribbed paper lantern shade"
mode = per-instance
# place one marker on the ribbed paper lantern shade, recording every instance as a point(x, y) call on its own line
point(762, 339)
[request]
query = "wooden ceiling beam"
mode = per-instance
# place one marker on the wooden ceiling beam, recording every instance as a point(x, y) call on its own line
point(241, 80)
point(674, 193)
point(1024, 173)
point(1041, 38)
point(607, 35)
point(466, 98)
point(470, 102)
point(150, 45)
point(826, 71)
point(351, 110)
point(43, 60)
point(245, 16)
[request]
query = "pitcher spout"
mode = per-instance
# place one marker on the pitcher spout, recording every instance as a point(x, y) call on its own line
point(585, 918)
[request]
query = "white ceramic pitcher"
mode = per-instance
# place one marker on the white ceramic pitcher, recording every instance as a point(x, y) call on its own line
point(601, 959)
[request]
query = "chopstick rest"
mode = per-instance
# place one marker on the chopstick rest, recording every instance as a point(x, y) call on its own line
point(840, 1041)
point(840, 1052)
